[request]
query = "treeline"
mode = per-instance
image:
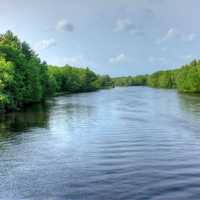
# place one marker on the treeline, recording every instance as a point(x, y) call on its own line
point(25, 79)
point(130, 81)
point(73, 80)
point(184, 79)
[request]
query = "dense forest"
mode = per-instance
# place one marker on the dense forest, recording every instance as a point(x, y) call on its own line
point(25, 79)
point(184, 79)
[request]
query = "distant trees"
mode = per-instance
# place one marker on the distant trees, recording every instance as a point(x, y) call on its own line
point(104, 81)
point(162, 79)
point(130, 81)
point(139, 80)
point(25, 79)
point(184, 79)
point(73, 80)
point(188, 78)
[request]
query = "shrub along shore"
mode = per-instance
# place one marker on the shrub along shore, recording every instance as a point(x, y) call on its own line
point(25, 79)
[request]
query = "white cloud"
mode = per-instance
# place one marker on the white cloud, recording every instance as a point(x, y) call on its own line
point(191, 37)
point(124, 25)
point(118, 59)
point(44, 44)
point(171, 34)
point(64, 25)
point(174, 33)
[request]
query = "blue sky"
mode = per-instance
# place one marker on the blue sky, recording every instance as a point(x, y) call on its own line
point(116, 37)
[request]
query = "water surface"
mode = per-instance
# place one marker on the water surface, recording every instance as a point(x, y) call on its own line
point(126, 143)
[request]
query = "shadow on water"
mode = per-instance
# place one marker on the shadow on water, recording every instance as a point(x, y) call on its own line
point(34, 116)
point(190, 103)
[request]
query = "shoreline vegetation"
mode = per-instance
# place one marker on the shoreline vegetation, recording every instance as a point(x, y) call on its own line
point(25, 79)
point(185, 79)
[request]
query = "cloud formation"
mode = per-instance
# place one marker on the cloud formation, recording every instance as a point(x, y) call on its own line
point(64, 25)
point(44, 44)
point(124, 25)
point(174, 33)
point(191, 37)
point(118, 59)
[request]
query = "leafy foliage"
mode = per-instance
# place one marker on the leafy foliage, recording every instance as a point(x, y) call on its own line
point(25, 79)
point(184, 79)
point(188, 78)
point(130, 81)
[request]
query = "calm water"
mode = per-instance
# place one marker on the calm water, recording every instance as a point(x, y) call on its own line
point(126, 143)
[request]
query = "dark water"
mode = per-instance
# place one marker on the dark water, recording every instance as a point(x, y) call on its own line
point(126, 143)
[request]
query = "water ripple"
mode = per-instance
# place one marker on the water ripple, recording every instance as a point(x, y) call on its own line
point(126, 143)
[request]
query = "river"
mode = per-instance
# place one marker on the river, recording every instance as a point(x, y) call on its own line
point(119, 144)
